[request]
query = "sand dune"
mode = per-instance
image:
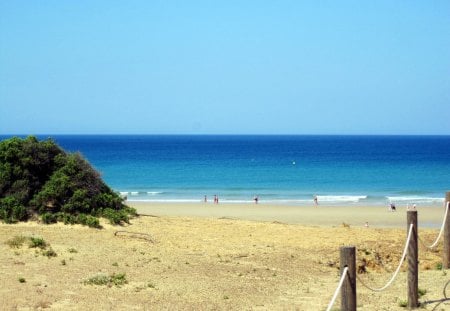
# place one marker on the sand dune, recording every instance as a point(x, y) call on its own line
point(266, 259)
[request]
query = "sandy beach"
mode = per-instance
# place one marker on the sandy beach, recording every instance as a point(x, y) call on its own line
point(322, 215)
point(219, 257)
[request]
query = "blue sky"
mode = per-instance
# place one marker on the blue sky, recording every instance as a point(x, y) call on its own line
point(225, 67)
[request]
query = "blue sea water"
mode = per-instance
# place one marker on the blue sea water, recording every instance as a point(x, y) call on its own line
point(359, 170)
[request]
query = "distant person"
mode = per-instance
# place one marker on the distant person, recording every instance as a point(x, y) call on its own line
point(206, 199)
point(366, 224)
point(393, 209)
point(215, 199)
point(316, 202)
point(256, 199)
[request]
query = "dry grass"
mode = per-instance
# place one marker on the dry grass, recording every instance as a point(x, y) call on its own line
point(174, 263)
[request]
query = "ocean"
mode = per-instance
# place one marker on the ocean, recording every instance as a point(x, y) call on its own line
point(343, 170)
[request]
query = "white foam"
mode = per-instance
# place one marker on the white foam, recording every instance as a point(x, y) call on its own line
point(414, 199)
point(154, 192)
point(340, 198)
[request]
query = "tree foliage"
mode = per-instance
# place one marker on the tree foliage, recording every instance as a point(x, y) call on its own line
point(40, 178)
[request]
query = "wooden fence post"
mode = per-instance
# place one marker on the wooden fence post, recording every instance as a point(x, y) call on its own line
point(446, 255)
point(413, 262)
point(348, 290)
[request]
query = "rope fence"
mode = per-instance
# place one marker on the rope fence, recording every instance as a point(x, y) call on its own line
point(440, 232)
point(389, 283)
point(336, 292)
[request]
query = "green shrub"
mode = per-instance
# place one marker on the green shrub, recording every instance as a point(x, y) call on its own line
point(11, 210)
point(422, 292)
point(402, 303)
point(99, 279)
point(40, 178)
point(119, 279)
point(115, 217)
point(93, 222)
point(67, 218)
point(88, 220)
point(49, 218)
point(22, 280)
point(109, 280)
point(37, 242)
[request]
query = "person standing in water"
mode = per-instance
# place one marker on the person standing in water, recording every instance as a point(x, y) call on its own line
point(316, 201)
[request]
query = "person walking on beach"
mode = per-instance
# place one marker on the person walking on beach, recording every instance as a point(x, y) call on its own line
point(392, 207)
point(316, 201)
point(206, 199)
point(256, 199)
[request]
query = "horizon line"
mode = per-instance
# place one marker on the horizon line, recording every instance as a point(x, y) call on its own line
point(210, 134)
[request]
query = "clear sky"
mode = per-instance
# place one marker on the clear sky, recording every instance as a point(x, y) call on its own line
point(225, 67)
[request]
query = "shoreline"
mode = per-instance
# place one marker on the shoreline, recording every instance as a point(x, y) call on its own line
point(309, 215)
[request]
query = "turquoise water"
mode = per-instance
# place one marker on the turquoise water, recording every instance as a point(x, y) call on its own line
point(279, 169)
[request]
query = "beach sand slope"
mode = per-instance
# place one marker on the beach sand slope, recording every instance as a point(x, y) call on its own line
point(208, 263)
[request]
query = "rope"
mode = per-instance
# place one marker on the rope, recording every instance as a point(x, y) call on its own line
point(136, 235)
point(440, 232)
point(344, 274)
point(398, 268)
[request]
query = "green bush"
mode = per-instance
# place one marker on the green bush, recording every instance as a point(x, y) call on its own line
point(103, 279)
point(115, 217)
point(49, 218)
point(88, 220)
point(66, 218)
point(422, 292)
point(41, 178)
point(11, 210)
point(39, 242)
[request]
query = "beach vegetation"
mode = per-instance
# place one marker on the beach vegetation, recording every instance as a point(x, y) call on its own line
point(38, 179)
point(22, 280)
point(422, 292)
point(16, 241)
point(49, 253)
point(11, 210)
point(403, 303)
point(108, 280)
point(37, 242)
